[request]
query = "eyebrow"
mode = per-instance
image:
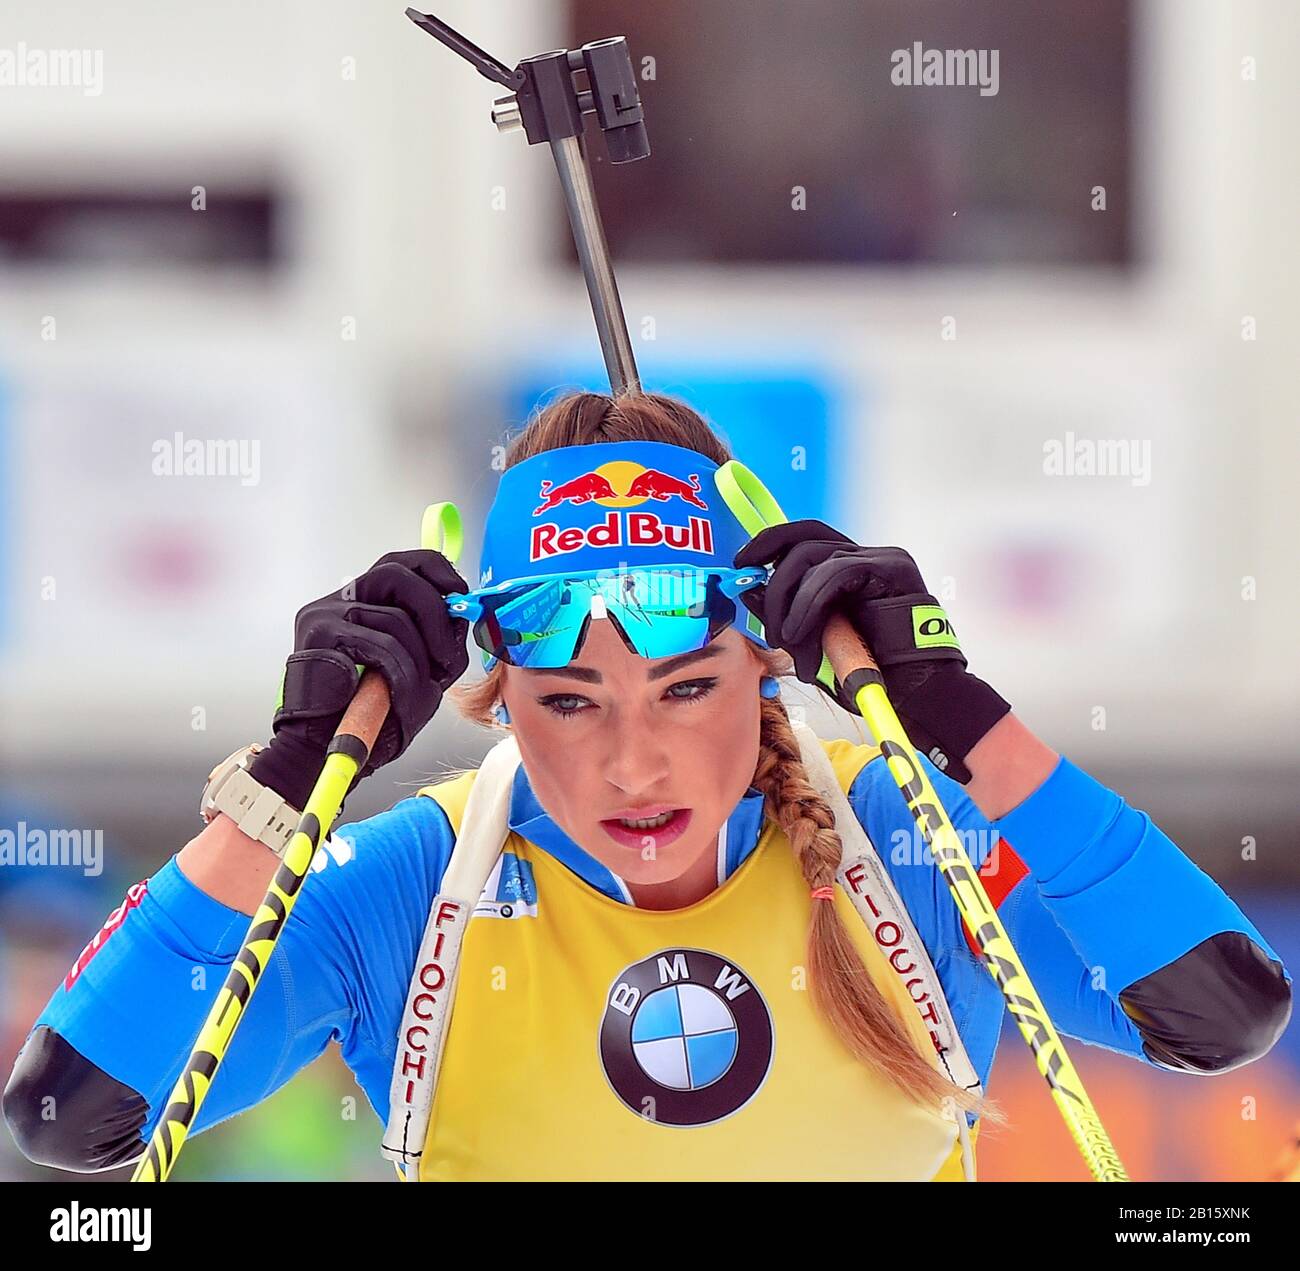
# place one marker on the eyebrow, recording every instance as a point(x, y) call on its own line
point(589, 676)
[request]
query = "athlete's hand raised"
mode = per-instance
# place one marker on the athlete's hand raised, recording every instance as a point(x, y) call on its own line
point(819, 572)
point(394, 619)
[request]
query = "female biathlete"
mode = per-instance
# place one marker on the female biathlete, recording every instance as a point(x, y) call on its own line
point(711, 945)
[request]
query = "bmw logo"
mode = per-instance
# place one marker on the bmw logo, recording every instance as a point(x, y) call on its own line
point(686, 1037)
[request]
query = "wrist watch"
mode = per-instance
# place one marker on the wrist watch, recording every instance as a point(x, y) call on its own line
point(260, 812)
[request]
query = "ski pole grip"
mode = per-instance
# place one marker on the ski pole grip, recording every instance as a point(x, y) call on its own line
point(846, 649)
point(367, 711)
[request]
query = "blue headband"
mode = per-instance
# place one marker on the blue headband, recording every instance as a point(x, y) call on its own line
point(616, 504)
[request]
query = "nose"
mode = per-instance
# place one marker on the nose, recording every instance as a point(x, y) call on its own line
point(639, 761)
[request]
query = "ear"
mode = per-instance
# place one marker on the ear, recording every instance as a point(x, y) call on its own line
point(775, 662)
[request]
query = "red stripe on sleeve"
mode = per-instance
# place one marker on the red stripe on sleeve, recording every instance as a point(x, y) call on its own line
point(1000, 873)
point(134, 895)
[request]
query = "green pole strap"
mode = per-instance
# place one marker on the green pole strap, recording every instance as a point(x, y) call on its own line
point(752, 504)
point(441, 530)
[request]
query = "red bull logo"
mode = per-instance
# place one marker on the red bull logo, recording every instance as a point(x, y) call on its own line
point(621, 484)
point(630, 529)
point(587, 488)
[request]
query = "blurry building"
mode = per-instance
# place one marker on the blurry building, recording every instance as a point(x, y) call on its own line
point(291, 236)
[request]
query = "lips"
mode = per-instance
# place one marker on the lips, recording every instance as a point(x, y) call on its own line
point(655, 836)
point(642, 811)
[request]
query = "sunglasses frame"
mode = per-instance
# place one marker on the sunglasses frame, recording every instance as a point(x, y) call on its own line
point(720, 583)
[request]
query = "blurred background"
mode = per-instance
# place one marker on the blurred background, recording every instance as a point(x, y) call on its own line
point(917, 311)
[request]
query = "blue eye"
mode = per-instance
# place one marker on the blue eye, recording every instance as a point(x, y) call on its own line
point(702, 688)
point(690, 691)
point(563, 712)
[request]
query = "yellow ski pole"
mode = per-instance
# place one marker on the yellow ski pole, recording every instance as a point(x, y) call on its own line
point(852, 664)
point(347, 753)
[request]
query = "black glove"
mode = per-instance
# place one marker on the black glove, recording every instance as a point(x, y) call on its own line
point(819, 572)
point(396, 621)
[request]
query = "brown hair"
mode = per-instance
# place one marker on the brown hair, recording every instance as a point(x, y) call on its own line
point(841, 985)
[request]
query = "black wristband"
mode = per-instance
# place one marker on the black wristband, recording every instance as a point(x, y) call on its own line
point(890, 628)
point(953, 709)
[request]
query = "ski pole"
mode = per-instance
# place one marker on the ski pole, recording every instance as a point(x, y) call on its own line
point(345, 756)
point(850, 661)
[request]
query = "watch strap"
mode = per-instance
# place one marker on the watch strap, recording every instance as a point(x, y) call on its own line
point(259, 811)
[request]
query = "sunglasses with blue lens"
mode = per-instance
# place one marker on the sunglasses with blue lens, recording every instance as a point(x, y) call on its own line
point(659, 612)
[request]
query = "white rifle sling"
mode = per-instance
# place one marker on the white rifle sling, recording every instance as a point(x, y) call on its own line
point(484, 828)
point(868, 885)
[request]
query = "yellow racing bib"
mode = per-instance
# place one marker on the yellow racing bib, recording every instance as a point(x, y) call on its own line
point(591, 1040)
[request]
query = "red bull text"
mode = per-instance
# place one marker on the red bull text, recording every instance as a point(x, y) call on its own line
point(621, 528)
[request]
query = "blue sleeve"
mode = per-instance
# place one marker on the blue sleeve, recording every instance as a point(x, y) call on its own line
point(1106, 900)
point(338, 972)
point(1128, 899)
